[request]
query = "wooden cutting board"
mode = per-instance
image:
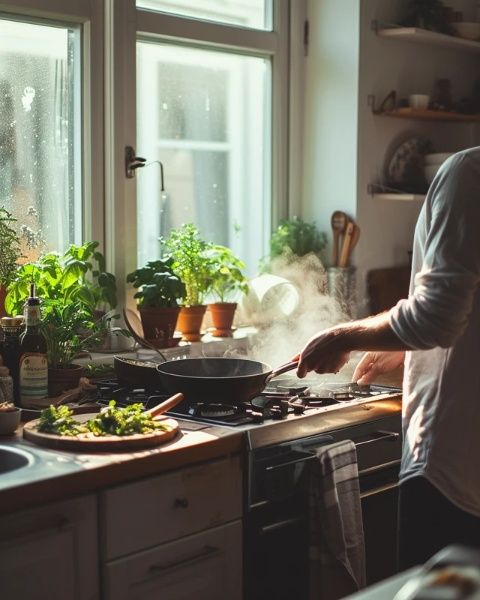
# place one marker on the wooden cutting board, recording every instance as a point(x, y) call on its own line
point(100, 444)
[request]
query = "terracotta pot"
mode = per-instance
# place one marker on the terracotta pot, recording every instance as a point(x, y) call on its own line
point(190, 322)
point(61, 380)
point(159, 324)
point(3, 295)
point(222, 318)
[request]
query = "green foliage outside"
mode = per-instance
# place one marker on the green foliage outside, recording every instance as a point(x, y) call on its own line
point(10, 251)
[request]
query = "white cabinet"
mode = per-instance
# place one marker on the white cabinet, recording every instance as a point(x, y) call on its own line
point(50, 552)
point(205, 566)
point(175, 536)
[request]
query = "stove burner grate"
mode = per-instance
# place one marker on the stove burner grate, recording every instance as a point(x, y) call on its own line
point(216, 410)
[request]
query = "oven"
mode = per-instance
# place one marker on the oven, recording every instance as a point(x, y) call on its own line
point(276, 511)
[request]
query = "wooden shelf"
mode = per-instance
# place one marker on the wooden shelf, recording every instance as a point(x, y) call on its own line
point(430, 115)
point(423, 36)
point(402, 197)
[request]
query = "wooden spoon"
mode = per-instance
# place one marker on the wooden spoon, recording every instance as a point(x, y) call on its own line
point(347, 240)
point(339, 223)
point(353, 241)
point(131, 319)
point(165, 405)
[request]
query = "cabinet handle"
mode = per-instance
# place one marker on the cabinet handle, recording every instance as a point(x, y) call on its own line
point(280, 525)
point(379, 490)
point(206, 553)
point(383, 436)
point(180, 503)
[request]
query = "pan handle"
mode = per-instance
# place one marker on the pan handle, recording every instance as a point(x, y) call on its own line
point(283, 369)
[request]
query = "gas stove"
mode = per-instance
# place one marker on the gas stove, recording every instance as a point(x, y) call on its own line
point(283, 399)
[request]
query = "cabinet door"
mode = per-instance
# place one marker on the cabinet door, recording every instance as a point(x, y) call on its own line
point(50, 552)
point(206, 566)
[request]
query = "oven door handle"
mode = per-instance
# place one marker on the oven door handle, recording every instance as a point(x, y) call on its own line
point(307, 458)
point(382, 436)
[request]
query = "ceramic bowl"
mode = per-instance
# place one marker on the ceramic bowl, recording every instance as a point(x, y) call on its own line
point(437, 158)
point(9, 421)
point(467, 30)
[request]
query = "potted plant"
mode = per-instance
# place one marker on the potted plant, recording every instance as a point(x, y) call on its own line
point(69, 328)
point(191, 264)
point(226, 282)
point(10, 253)
point(69, 322)
point(159, 290)
point(295, 238)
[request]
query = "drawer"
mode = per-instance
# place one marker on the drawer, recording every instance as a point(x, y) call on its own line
point(163, 508)
point(204, 566)
point(378, 442)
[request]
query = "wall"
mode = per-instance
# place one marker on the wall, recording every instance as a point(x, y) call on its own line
point(336, 177)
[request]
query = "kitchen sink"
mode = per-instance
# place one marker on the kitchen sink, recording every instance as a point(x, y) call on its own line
point(12, 459)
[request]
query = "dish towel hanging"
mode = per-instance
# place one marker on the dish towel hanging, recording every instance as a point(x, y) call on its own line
point(336, 540)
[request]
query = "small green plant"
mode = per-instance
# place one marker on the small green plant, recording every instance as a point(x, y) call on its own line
point(10, 251)
point(157, 284)
point(295, 237)
point(226, 276)
point(69, 328)
point(190, 262)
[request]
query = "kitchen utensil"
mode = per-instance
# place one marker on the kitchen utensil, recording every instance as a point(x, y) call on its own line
point(108, 443)
point(132, 322)
point(347, 239)
point(353, 241)
point(218, 380)
point(137, 373)
point(339, 222)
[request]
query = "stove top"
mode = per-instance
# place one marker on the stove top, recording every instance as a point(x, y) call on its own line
point(285, 398)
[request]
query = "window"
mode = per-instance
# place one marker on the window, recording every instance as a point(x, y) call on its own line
point(246, 13)
point(40, 142)
point(206, 110)
point(206, 116)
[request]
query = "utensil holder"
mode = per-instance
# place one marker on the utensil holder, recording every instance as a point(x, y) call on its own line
point(341, 284)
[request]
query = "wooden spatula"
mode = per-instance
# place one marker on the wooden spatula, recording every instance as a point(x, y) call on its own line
point(347, 241)
point(339, 221)
point(165, 405)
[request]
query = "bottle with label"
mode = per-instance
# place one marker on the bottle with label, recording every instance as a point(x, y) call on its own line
point(12, 328)
point(33, 365)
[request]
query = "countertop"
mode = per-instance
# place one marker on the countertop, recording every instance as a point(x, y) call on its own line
point(54, 475)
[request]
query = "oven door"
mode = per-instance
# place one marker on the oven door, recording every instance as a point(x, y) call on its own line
point(276, 525)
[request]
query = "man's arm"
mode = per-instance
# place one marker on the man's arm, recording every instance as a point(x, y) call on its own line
point(329, 350)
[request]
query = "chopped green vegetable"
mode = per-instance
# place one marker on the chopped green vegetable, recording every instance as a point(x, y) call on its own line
point(109, 421)
point(60, 421)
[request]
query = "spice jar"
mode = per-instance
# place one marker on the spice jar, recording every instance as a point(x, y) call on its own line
point(6, 385)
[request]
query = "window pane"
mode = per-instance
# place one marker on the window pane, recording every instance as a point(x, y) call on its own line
point(38, 141)
point(206, 116)
point(256, 14)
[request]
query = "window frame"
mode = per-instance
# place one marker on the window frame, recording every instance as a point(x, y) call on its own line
point(89, 15)
point(125, 23)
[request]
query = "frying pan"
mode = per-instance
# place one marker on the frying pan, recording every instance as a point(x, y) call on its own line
point(219, 380)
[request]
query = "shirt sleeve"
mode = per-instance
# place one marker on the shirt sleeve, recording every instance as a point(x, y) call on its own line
point(436, 313)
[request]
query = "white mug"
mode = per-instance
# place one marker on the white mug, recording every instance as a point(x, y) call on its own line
point(419, 101)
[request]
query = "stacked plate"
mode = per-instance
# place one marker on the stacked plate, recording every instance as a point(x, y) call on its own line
point(433, 162)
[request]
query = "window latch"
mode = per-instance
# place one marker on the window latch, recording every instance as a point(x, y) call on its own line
point(132, 162)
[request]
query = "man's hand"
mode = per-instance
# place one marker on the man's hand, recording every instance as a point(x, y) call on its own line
point(374, 364)
point(324, 353)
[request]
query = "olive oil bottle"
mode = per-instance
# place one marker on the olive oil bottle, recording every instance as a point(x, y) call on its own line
point(33, 365)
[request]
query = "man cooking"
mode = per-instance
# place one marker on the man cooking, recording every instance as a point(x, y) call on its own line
point(437, 332)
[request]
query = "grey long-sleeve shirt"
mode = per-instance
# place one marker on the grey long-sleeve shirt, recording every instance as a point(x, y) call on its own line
point(440, 321)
